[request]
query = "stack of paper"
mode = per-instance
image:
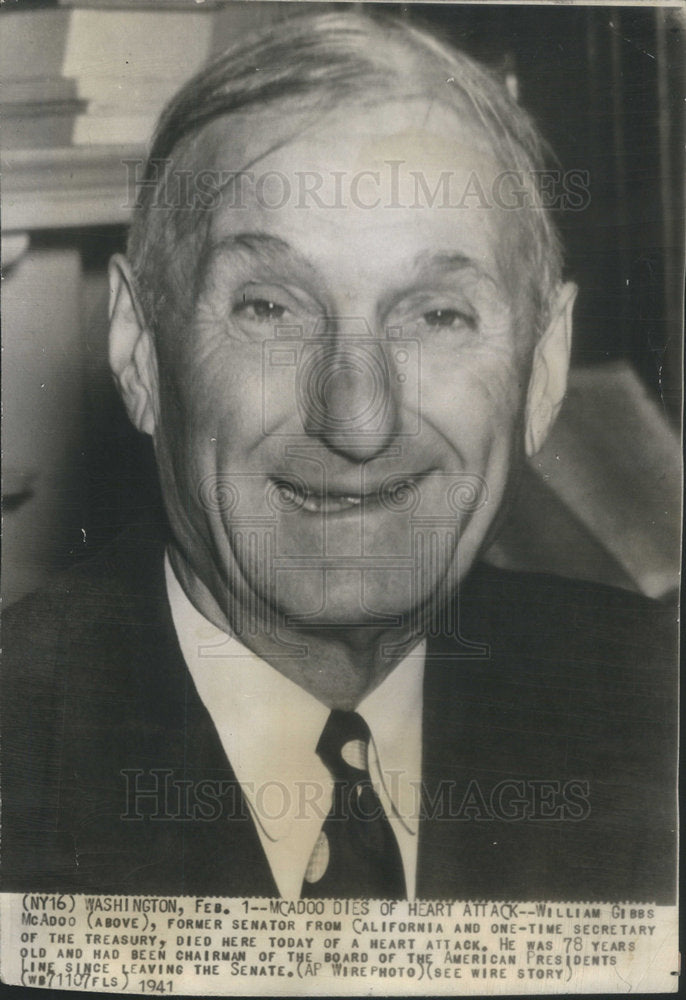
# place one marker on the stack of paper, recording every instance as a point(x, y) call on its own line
point(128, 63)
point(38, 105)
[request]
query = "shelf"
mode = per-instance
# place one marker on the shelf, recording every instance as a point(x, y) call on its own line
point(72, 186)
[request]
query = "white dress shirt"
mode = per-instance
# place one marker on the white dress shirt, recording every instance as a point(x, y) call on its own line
point(269, 728)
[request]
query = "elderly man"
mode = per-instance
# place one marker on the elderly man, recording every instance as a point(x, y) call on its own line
point(342, 320)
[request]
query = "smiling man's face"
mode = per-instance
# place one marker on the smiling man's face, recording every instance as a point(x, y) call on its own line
point(337, 425)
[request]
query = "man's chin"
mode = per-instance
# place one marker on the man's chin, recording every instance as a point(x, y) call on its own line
point(351, 599)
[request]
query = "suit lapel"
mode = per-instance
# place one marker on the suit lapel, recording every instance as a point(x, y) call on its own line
point(155, 732)
point(443, 719)
point(470, 687)
point(222, 852)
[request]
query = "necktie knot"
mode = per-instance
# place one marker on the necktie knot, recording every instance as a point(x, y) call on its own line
point(344, 745)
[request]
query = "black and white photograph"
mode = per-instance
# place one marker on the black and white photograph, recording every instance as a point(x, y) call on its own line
point(342, 496)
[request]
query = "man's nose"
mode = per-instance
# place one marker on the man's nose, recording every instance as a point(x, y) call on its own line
point(347, 396)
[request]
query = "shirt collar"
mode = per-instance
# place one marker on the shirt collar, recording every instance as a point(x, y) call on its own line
point(269, 726)
point(393, 713)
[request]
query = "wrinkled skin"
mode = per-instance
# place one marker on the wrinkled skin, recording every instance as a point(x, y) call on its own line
point(306, 454)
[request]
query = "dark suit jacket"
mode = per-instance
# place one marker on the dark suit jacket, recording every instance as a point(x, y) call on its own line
point(575, 702)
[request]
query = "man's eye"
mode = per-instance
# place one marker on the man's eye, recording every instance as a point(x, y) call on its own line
point(442, 319)
point(261, 310)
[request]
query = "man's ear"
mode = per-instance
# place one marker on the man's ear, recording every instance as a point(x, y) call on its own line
point(550, 366)
point(131, 350)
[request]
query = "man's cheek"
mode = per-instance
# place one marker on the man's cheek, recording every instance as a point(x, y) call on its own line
point(473, 406)
point(497, 388)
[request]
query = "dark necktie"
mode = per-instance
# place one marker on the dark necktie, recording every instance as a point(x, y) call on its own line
point(356, 855)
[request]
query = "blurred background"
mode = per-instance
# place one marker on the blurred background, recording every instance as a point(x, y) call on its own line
point(82, 85)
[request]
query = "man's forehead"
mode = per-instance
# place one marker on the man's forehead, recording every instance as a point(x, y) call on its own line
point(421, 131)
point(390, 166)
point(373, 183)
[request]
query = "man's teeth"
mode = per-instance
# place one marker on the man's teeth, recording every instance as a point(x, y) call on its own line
point(330, 502)
point(321, 502)
point(299, 498)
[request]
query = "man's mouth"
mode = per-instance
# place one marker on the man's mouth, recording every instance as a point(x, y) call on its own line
point(333, 503)
point(298, 496)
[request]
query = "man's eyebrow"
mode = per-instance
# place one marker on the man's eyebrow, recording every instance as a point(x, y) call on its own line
point(263, 245)
point(271, 248)
point(447, 261)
